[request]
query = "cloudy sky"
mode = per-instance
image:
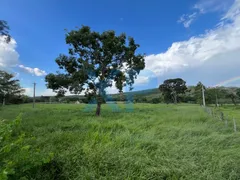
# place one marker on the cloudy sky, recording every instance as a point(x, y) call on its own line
point(197, 40)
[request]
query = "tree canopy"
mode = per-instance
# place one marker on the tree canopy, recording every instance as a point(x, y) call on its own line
point(171, 88)
point(95, 62)
point(232, 95)
point(9, 86)
point(198, 92)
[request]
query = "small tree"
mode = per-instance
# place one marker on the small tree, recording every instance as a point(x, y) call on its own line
point(96, 61)
point(9, 86)
point(198, 92)
point(214, 94)
point(171, 88)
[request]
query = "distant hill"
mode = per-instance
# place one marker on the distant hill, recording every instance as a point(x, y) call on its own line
point(148, 93)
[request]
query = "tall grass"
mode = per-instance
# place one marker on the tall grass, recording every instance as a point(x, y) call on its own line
point(152, 142)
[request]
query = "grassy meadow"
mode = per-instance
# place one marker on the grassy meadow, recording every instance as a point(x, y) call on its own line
point(232, 112)
point(152, 142)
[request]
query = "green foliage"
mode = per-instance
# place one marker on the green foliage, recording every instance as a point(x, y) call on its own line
point(232, 95)
point(155, 141)
point(9, 87)
point(155, 100)
point(198, 93)
point(18, 158)
point(171, 88)
point(96, 61)
point(238, 92)
point(216, 95)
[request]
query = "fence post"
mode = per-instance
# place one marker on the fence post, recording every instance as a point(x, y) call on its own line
point(226, 121)
point(212, 113)
point(235, 125)
point(209, 111)
point(221, 116)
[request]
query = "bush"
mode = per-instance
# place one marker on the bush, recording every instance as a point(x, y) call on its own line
point(155, 100)
point(19, 159)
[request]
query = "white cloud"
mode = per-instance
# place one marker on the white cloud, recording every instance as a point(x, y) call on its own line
point(28, 91)
point(187, 19)
point(9, 58)
point(206, 6)
point(233, 12)
point(203, 48)
point(203, 7)
point(141, 80)
point(8, 54)
point(33, 71)
point(112, 90)
point(48, 92)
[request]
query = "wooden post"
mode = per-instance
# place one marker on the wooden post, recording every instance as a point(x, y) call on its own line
point(234, 125)
point(226, 121)
point(221, 116)
point(34, 88)
point(209, 111)
point(203, 96)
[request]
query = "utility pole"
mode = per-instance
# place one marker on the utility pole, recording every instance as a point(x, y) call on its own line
point(34, 88)
point(203, 96)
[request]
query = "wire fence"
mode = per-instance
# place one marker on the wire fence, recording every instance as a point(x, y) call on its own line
point(217, 114)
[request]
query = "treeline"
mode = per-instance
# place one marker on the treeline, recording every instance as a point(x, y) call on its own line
point(175, 91)
point(171, 91)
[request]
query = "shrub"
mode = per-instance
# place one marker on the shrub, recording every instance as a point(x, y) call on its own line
point(18, 158)
point(155, 100)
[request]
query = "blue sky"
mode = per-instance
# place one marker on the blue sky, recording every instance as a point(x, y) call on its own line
point(197, 40)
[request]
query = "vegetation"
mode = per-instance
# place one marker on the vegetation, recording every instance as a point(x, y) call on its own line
point(171, 91)
point(152, 142)
point(9, 87)
point(171, 88)
point(96, 61)
point(140, 141)
point(19, 160)
point(233, 96)
point(191, 95)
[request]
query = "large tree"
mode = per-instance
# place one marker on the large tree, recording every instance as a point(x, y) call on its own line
point(171, 88)
point(96, 61)
point(9, 87)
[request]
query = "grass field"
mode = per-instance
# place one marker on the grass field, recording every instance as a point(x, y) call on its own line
point(152, 142)
point(232, 111)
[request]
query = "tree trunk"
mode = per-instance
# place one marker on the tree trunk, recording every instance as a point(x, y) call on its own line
point(3, 103)
point(98, 110)
point(234, 102)
point(175, 99)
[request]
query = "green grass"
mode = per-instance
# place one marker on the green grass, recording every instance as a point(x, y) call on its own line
point(231, 111)
point(152, 142)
